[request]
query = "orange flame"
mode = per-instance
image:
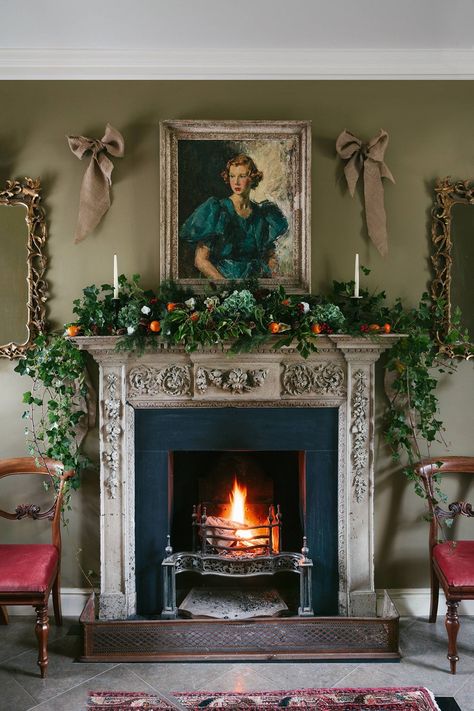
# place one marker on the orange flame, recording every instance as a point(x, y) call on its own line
point(237, 498)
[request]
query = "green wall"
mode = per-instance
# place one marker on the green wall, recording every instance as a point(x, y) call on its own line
point(430, 125)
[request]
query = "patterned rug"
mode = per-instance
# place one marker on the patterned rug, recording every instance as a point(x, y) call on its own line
point(414, 698)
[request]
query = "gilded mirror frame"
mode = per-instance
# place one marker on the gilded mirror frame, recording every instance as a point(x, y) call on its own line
point(447, 194)
point(27, 193)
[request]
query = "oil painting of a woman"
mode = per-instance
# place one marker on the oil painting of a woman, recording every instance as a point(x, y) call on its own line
point(235, 202)
point(235, 237)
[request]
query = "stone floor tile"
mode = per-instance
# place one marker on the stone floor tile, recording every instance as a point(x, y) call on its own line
point(180, 676)
point(19, 635)
point(241, 677)
point(120, 678)
point(304, 675)
point(13, 695)
point(422, 637)
point(465, 695)
point(63, 672)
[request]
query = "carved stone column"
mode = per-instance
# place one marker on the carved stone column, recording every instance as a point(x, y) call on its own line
point(117, 489)
point(359, 477)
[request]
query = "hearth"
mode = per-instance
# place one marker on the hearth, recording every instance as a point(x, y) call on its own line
point(163, 422)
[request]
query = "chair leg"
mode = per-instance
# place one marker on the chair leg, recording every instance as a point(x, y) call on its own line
point(452, 627)
point(3, 615)
point(434, 596)
point(58, 618)
point(42, 630)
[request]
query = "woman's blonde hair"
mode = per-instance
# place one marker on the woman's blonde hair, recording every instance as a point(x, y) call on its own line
point(241, 159)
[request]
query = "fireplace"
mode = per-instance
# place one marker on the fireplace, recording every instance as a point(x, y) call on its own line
point(170, 424)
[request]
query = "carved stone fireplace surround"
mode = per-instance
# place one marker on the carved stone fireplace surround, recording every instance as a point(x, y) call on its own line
point(340, 374)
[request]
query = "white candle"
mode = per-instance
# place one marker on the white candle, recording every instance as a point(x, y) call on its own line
point(356, 277)
point(116, 284)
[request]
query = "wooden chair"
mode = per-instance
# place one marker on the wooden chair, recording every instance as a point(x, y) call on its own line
point(451, 562)
point(28, 572)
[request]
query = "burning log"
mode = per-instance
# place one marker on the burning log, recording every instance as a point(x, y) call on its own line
point(226, 535)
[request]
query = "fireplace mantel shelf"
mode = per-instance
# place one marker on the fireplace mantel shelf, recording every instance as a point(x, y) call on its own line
point(379, 342)
point(340, 374)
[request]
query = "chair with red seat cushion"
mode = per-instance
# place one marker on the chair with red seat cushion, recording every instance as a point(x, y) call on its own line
point(29, 572)
point(451, 562)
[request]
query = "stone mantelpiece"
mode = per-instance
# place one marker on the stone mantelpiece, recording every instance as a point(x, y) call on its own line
point(340, 374)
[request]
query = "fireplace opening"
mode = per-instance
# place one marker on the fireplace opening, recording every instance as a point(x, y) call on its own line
point(231, 561)
point(283, 457)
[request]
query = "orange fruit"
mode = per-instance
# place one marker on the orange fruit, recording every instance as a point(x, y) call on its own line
point(316, 328)
point(155, 326)
point(374, 327)
point(194, 316)
point(170, 306)
point(73, 330)
point(285, 302)
point(387, 328)
point(273, 327)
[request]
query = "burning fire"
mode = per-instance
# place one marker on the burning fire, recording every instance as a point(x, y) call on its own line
point(237, 498)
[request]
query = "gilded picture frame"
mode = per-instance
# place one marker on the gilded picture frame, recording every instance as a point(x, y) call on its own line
point(24, 299)
point(235, 202)
point(453, 250)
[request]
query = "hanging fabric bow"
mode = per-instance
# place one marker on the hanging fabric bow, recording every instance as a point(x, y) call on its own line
point(369, 159)
point(94, 200)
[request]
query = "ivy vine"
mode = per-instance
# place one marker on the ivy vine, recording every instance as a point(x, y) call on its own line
point(54, 404)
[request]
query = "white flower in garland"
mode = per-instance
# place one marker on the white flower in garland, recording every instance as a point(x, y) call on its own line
point(130, 330)
point(146, 310)
point(211, 302)
point(190, 303)
point(304, 306)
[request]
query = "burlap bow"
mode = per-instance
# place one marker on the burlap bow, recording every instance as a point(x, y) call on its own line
point(368, 157)
point(94, 200)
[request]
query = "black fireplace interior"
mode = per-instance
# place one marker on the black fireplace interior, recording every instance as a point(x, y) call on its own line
point(284, 456)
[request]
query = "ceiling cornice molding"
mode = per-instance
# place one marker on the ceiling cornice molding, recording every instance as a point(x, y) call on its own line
point(27, 64)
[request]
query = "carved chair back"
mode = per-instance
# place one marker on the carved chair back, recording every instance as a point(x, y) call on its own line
point(54, 471)
point(428, 470)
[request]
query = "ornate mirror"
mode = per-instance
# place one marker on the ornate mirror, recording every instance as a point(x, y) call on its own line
point(452, 233)
point(22, 266)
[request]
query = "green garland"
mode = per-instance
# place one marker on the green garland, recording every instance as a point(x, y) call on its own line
point(244, 316)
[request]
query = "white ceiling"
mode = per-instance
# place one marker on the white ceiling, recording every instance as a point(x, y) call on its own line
point(186, 24)
point(123, 33)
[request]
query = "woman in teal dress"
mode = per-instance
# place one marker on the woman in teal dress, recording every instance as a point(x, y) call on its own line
point(234, 237)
